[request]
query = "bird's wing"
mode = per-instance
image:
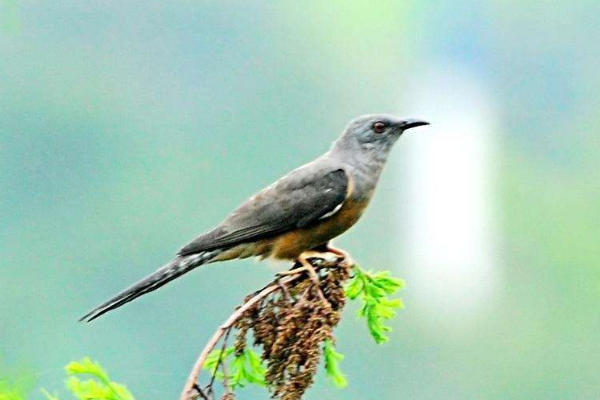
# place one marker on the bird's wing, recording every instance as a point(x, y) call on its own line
point(297, 200)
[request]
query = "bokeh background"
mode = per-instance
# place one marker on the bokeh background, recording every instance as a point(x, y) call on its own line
point(126, 128)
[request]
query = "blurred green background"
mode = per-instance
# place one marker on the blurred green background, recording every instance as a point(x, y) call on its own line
point(126, 128)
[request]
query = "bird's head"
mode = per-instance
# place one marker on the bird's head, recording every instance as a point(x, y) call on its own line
point(375, 133)
point(377, 130)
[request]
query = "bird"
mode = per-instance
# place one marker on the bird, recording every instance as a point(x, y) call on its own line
point(294, 218)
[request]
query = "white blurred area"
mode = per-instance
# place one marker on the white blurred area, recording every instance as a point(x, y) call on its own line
point(446, 213)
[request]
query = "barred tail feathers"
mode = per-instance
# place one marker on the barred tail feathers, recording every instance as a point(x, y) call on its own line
point(162, 276)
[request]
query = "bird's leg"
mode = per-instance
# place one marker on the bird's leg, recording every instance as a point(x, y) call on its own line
point(312, 273)
point(305, 265)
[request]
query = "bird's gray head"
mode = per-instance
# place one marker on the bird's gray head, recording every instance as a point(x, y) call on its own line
point(377, 131)
point(373, 135)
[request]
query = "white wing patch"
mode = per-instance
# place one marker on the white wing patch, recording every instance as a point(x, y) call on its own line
point(332, 212)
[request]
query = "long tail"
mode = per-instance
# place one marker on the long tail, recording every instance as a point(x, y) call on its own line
point(163, 275)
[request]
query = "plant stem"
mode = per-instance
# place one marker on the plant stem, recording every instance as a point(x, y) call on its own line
point(188, 389)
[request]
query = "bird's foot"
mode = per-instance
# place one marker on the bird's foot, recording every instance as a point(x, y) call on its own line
point(329, 254)
point(347, 260)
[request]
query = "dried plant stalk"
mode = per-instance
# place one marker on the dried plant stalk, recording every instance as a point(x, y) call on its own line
point(289, 320)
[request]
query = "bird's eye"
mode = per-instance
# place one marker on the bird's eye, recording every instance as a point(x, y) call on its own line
point(379, 127)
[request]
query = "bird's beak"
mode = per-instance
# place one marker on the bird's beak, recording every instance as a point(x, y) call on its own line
point(412, 123)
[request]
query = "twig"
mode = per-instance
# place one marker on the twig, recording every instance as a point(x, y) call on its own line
point(200, 392)
point(220, 360)
point(193, 377)
point(225, 377)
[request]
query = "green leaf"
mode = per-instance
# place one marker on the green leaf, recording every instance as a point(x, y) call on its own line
point(11, 392)
point(354, 288)
point(374, 289)
point(15, 386)
point(243, 369)
point(254, 368)
point(215, 358)
point(332, 365)
point(89, 389)
point(100, 387)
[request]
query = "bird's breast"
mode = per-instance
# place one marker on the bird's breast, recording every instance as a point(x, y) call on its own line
point(290, 245)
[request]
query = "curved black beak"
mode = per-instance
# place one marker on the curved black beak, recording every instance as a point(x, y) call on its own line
point(412, 123)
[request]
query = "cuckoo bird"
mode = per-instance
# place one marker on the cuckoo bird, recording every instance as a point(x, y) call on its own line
point(295, 217)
